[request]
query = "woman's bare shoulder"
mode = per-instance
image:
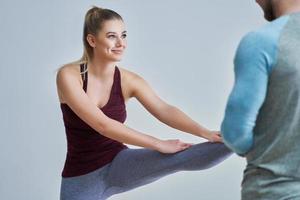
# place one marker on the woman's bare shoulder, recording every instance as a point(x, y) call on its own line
point(127, 74)
point(70, 69)
point(67, 75)
point(128, 79)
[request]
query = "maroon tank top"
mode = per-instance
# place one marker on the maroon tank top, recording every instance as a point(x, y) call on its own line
point(87, 149)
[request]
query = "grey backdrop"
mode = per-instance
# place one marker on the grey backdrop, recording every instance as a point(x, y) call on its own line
point(184, 49)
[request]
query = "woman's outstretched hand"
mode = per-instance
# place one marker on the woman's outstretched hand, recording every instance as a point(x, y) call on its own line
point(172, 146)
point(214, 136)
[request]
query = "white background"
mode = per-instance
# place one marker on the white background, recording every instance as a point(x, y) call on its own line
point(184, 49)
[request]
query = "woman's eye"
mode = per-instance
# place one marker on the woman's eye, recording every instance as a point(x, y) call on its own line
point(111, 36)
point(124, 35)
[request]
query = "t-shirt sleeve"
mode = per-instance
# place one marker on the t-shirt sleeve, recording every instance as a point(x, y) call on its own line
point(252, 65)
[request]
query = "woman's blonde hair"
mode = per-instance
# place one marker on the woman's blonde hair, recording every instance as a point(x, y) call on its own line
point(93, 21)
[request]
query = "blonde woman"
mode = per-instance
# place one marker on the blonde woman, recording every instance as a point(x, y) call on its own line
point(92, 96)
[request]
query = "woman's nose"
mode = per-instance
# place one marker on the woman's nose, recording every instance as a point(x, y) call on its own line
point(120, 42)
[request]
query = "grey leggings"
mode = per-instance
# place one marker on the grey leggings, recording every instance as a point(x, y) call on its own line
point(132, 168)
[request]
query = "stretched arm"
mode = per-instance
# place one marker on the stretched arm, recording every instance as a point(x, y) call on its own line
point(69, 85)
point(252, 65)
point(165, 112)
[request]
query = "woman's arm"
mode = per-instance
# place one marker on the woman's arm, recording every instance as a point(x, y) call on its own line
point(69, 86)
point(164, 112)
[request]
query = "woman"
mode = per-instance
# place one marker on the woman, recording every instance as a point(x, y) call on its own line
point(92, 93)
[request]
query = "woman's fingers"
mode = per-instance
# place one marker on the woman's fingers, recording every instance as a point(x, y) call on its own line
point(218, 138)
point(185, 145)
point(174, 146)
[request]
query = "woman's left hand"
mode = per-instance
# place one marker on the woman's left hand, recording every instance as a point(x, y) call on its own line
point(214, 136)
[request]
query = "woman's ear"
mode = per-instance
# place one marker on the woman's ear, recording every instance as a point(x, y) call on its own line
point(91, 40)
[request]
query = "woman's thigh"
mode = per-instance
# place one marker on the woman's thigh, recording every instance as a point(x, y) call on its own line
point(85, 187)
point(132, 168)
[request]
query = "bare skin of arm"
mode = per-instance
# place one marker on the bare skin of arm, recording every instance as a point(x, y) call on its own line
point(167, 114)
point(69, 86)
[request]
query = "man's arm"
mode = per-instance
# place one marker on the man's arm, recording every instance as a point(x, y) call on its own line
point(252, 65)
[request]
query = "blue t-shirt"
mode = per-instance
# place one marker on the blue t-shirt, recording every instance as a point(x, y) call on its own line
point(254, 61)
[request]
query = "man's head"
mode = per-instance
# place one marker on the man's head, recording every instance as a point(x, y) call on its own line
point(268, 8)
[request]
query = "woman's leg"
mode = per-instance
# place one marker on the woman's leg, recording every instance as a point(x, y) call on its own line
point(85, 187)
point(132, 168)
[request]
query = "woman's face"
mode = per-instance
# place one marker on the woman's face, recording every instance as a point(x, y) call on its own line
point(111, 42)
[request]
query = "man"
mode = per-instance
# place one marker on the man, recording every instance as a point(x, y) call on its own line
point(262, 117)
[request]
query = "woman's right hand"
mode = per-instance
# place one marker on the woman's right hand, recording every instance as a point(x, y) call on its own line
point(172, 146)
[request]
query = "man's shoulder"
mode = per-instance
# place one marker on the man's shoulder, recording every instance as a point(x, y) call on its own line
point(267, 35)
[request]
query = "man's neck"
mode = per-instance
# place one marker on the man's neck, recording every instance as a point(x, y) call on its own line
point(286, 7)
